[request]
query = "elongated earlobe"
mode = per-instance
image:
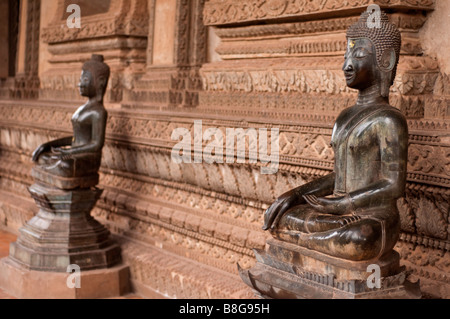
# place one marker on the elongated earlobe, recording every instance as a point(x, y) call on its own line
point(388, 60)
point(385, 83)
point(387, 65)
point(101, 86)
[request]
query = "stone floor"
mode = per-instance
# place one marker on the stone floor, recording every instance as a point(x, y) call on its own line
point(5, 239)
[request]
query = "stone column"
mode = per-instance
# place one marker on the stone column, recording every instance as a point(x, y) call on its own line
point(4, 38)
point(26, 80)
point(9, 32)
point(176, 49)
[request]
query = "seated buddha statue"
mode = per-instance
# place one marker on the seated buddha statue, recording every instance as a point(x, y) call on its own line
point(351, 213)
point(74, 158)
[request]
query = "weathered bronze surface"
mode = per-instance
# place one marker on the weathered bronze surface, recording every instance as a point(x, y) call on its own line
point(66, 173)
point(359, 221)
point(351, 214)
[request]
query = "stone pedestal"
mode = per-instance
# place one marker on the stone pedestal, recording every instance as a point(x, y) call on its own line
point(63, 234)
point(288, 271)
point(24, 283)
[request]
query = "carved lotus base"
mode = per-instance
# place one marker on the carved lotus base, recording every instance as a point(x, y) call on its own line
point(287, 271)
point(64, 233)
point(44, 177)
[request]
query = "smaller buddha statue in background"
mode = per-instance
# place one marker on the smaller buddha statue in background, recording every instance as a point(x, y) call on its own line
point(63, 232)
point(79, 156)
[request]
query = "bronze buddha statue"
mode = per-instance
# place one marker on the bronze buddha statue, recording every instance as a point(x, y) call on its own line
point(76, 158)
point(351, 213)
point(63, 232)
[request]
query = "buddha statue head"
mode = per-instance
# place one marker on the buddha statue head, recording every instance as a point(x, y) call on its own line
point(372, 54)
point(94, 77)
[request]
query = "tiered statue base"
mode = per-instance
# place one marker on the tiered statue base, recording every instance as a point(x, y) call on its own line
point(289, 271)
point(24, 283)
point(47, 178)
point(64, 233)
point(61, 238)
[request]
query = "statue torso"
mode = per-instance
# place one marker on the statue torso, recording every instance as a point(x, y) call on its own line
point(356, 143)
point(82, 121)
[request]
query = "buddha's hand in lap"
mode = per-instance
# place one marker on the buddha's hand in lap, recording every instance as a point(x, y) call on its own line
point(61, 153)
point(336, 206)
point(279, 207)
point(43, 148)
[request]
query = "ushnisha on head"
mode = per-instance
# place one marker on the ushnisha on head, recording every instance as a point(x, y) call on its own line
point(372, 53)
point(94, 77)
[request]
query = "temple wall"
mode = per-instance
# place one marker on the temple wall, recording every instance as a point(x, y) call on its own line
point(4, 38)
point(48, 9)
point(21, 46)
point(434, 38)
point(232, 64)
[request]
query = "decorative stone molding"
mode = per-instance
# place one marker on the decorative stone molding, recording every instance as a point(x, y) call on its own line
point(221, 12)
point(124, 17)
point(120, 34)
point(156, 273)
point(214, 215)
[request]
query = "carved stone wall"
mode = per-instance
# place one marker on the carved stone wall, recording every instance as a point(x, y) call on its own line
point(288, 68)
point(26, 82)
point(119, 32)
point(174, 55)
point(184, 226)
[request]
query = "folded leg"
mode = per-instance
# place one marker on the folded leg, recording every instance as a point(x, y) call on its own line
point(304, 218)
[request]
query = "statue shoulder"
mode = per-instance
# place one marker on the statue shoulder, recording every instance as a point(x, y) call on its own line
point(344, 116)
point(345, 113)
point(97, 110)
point(392, 118)
point(390, 112)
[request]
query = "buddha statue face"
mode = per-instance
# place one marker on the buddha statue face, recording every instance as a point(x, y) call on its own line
point(372, 54)
point(360, 66)
point(94, 78)
point(86, 85)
